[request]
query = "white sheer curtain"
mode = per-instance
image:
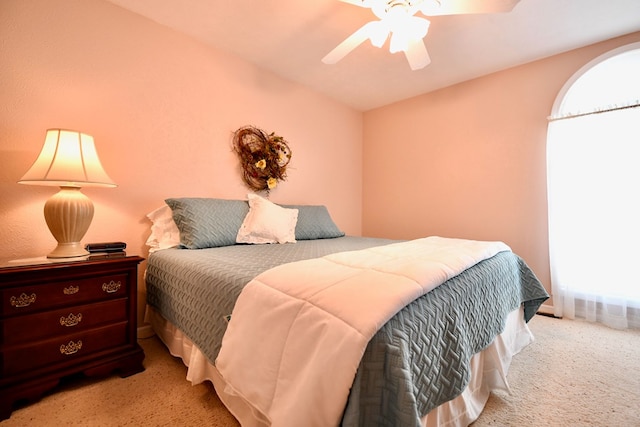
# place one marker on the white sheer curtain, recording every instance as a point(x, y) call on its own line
point(593, 165)
point(593, 184)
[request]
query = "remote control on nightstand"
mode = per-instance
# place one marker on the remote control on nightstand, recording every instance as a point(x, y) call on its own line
point(106, 247)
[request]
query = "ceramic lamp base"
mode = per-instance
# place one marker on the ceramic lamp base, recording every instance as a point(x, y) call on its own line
point(68, 214)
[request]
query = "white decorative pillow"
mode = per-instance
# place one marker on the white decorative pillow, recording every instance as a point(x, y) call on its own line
point(164, 232)
point(267, 222)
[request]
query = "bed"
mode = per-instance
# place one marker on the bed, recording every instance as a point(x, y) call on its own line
point(433, 361)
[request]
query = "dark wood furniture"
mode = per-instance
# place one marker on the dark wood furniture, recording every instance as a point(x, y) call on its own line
point(59, 318)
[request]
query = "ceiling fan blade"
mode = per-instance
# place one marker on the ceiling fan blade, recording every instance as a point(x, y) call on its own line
point(457, 7)
point(367, 31)
point(417, 55)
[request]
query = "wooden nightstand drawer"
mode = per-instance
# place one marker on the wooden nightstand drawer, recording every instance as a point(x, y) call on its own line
point(65, 317)
point(21, 329)
point(27, 299)
point(67, 348)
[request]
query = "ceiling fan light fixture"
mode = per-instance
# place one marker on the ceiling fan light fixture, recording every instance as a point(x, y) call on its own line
point(411, 29)
point(384, 8)
point(379, 34)
point(399, 43)
point(417, 27)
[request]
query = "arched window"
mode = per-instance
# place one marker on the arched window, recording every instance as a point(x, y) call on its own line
point(593, 180)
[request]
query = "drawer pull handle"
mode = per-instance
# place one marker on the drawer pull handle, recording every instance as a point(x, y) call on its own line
point(71, 348)
point(23, 300)
point(71, 319)
point(71, 290)
point(111, 287)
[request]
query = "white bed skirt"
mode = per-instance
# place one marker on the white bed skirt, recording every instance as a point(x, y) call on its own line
point(488, 372)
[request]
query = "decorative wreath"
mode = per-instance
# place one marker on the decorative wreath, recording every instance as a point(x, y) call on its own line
point(263, 157)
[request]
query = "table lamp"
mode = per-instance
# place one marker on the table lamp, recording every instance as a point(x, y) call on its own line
point(69, 160)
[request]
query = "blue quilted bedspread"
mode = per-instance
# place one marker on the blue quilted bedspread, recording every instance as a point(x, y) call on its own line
point(418, 360)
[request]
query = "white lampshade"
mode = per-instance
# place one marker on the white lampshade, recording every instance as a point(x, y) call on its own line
point(69, 160)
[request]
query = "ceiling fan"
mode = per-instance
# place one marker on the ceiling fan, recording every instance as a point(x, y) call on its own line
point(406, 31)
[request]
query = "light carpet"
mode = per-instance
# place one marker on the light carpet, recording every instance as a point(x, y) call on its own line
point(574, 374)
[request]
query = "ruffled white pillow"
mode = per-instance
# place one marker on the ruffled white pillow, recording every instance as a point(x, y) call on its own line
point(267, 222)
point(164, 232)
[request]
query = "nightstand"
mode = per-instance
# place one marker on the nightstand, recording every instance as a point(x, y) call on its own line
point(59, 318)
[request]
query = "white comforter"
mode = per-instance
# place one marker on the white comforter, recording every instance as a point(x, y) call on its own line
point(298, 331)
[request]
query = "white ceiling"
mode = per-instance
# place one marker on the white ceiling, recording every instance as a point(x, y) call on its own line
point(290, 37)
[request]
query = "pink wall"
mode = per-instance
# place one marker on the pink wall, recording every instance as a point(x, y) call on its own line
point(469, 161)
point(162, 109)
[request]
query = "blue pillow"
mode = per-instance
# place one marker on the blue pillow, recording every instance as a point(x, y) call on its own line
point(207, 223)
point(314, 222)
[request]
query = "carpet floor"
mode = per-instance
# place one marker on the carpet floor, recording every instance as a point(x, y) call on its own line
point(574, 374)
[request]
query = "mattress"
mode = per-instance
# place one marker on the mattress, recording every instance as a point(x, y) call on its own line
point(195, 291)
